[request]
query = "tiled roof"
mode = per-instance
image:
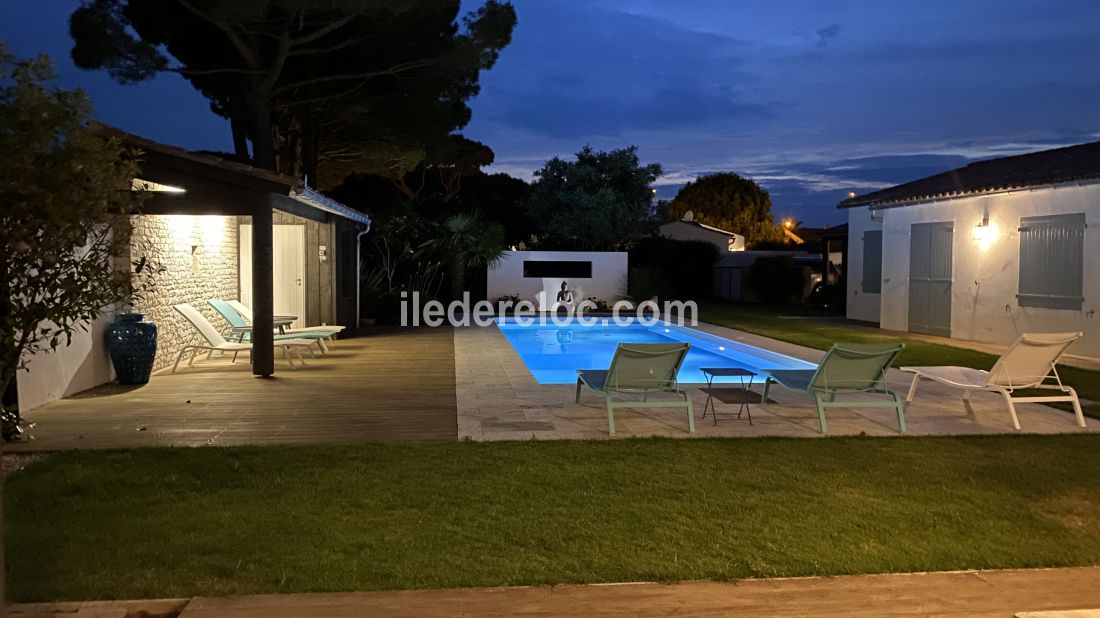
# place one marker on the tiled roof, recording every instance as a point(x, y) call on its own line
point(215, 161)
point(705, 227)
point(1048, 167)
point(299, 192)
point(836, 231)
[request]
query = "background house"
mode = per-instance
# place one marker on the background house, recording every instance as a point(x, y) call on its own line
point(690, 229)
point(733, 280)
point(984, 252)
point(197, 224)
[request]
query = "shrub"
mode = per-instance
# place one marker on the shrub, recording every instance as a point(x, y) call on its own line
point(828, 296)
point(673, 269)
point(778, 280)
point(599, 305)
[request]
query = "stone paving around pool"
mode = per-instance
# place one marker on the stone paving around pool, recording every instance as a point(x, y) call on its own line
point(498, 399)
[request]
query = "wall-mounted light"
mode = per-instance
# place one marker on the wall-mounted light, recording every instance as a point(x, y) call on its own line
point(875, 215)
point(985, 233)
point(140, 184)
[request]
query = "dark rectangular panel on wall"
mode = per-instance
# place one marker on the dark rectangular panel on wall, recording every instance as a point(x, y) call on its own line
point(557, 268)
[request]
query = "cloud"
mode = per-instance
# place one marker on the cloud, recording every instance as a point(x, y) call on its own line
point(827, 34)
point(580, 71)
point(562, 115)
point(813, 100)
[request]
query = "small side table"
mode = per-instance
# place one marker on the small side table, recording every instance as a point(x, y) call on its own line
point(724, 372)
point(282, 321)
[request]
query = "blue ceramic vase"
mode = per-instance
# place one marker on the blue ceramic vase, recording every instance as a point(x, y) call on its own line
point(133, 345)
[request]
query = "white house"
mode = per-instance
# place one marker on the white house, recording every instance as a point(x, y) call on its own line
point(690, 229)
point(984, 252)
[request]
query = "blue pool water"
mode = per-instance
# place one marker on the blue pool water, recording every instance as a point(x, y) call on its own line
point(553, 353)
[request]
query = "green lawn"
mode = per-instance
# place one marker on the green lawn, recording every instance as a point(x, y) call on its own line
point(810, 331)
point(176, 522)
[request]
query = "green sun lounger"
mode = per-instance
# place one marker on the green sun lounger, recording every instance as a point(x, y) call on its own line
point(639, 369)
point(847, 368)
point(242, 330)
point(330, 330)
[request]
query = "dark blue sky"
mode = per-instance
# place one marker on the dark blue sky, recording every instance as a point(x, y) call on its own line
point(811, 98)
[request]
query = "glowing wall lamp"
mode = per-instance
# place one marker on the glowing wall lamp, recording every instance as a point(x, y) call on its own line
point(140, 184)
point(985, 233)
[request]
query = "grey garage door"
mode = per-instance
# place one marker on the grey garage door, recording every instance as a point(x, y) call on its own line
point(930, 278)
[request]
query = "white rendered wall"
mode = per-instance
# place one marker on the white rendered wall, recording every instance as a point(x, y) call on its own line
point(199, 254)
point(860, 306)
point(985, 280)
point(68, 370)
point(608, 281)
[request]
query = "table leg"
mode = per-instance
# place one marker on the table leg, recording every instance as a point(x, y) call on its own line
point(745, 404)
point(710, 402)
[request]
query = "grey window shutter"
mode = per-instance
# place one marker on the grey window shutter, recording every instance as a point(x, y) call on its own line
point(1052, 261)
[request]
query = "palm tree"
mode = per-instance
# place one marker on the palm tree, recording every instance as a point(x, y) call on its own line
point(465, 240)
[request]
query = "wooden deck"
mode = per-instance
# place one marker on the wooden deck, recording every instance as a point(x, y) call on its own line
point(391, 385)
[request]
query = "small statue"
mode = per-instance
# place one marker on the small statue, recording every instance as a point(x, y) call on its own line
point(565, 296)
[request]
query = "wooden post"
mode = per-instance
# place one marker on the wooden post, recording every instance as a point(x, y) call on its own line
point(263, 289)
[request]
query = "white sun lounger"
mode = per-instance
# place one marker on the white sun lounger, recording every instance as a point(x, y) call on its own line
point(246, 313)
point(216, 343)
point(1028, 364)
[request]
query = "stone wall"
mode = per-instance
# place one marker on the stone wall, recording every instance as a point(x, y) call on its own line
point(200, 259)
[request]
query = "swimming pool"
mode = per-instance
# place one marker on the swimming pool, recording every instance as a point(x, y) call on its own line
point(553, 353)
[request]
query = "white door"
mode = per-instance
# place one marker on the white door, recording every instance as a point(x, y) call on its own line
point(288, 273)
